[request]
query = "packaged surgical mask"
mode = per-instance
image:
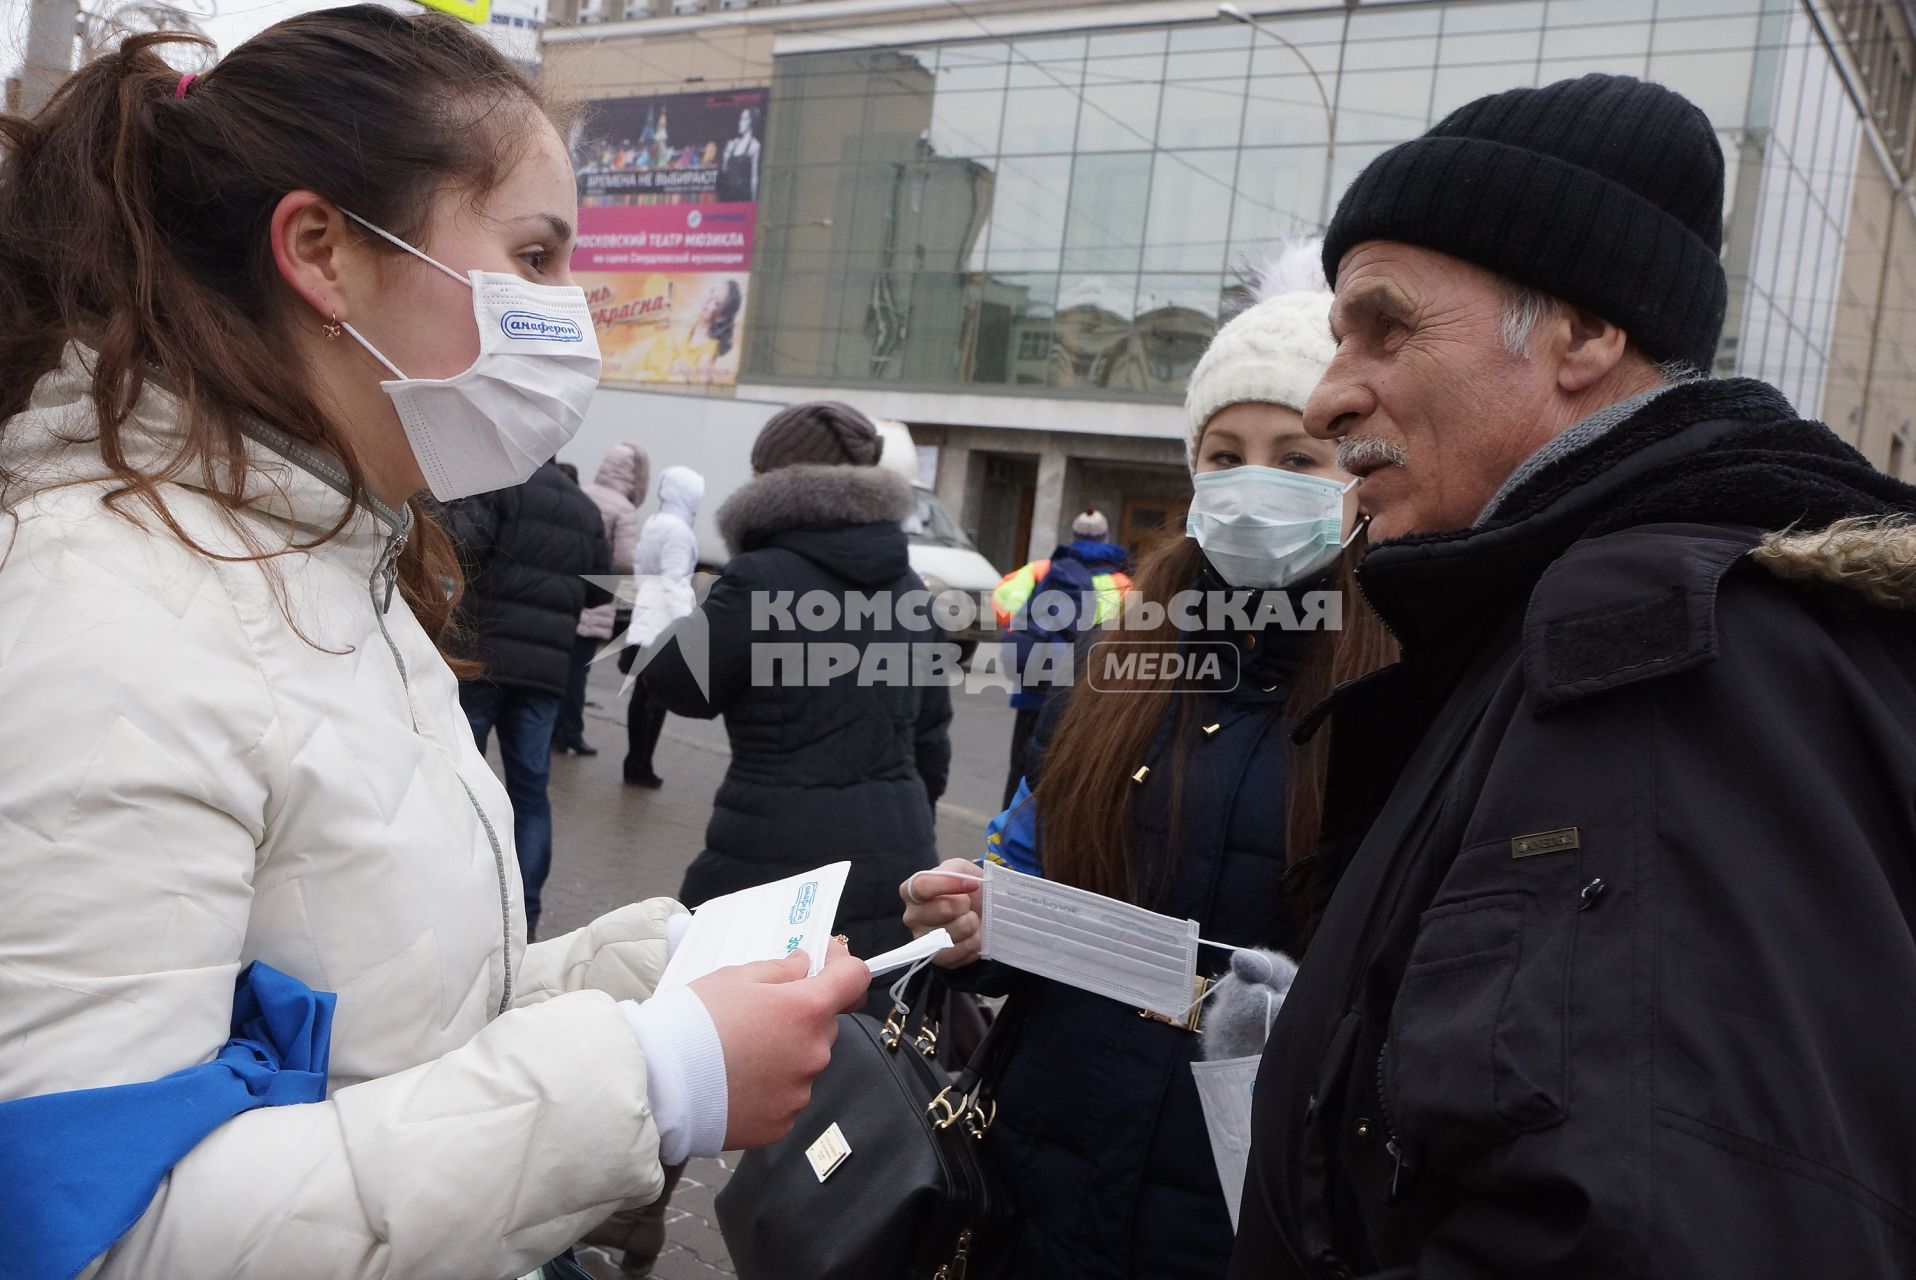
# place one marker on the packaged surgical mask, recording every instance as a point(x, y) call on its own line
point(523, 398)
point(1265, 528)
point(765, 922)
point(1224, 1092)
point(1089, 941)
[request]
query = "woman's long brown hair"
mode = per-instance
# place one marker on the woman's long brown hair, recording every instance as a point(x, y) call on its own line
point(1085, 796)
point(134, 219)
point(1084, 793)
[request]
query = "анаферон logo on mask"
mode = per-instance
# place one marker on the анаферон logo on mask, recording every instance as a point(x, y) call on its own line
point(530, 324)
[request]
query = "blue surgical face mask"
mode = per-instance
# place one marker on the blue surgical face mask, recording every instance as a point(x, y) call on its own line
point(1264, 528)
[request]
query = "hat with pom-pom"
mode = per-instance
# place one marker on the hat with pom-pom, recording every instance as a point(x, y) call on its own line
point(1273, 353)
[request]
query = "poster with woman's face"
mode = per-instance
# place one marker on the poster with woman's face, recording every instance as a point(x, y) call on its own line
point(660, 328)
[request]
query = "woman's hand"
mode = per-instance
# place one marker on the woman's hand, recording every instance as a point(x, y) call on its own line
point(777, 1026)
point(949, 897)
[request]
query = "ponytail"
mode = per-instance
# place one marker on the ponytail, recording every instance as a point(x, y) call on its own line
point(135, 212)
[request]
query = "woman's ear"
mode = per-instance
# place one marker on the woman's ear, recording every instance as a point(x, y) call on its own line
point(313, 250)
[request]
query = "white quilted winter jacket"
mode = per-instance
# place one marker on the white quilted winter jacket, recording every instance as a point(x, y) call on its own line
point(188, 784)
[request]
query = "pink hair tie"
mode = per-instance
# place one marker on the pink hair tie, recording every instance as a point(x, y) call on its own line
point(179, 90)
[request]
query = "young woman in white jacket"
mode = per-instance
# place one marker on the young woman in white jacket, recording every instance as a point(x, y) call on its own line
point(229, 734)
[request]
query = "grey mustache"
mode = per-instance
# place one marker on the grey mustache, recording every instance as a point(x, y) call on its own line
point(1357, 452)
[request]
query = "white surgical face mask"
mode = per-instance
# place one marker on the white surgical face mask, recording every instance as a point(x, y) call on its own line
point(1264, 528)
point(1094, 943)
point(522, 399)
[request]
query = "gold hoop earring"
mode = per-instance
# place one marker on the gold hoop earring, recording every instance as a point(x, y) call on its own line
point(332, 328)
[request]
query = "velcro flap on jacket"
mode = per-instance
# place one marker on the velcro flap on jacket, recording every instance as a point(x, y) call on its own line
point(1627, 606)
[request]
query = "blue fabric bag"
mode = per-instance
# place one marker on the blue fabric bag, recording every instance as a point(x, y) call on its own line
point(77, 1169)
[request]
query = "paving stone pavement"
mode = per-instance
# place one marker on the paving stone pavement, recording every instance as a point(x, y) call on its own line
point(614, 844)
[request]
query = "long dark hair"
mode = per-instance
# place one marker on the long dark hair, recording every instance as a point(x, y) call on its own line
point(134, 219)
point(1085, 795)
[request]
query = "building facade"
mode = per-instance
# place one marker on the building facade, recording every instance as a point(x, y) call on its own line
point(1015, 226)
point(514, 27)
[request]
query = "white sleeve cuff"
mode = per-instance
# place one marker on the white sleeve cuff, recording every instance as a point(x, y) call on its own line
point(685, 1072)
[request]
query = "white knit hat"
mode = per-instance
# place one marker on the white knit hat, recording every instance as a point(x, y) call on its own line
point(1275, 352)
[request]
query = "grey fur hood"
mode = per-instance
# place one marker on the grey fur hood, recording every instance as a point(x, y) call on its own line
point(812, 497)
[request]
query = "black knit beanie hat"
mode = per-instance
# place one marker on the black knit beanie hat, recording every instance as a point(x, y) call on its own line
point(824, 433)
point(1605, 191)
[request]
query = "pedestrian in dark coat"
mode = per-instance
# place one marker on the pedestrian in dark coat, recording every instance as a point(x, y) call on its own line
point(525, 551)
point(826, 765)
point(1616, 970)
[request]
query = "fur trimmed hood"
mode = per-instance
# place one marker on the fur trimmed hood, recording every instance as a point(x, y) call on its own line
point(849, 520)
point(814, 497)
point(1873, 559)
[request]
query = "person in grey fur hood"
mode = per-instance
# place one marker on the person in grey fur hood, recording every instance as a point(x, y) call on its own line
point(1614, 963)
point(829, 761)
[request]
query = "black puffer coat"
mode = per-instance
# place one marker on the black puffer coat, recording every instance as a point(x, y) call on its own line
point(828, 769)
point(1619, 979)
point(524, 551)
point(1099, 1130)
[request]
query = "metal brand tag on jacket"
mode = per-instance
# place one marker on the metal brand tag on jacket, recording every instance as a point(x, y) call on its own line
point(1559, 841)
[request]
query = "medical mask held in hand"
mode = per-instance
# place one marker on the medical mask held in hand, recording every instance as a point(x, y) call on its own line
point(1088, 941)
point(520, 402)
point(1264, 528)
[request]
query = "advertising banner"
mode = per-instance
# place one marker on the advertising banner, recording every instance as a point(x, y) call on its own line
point(668, 204)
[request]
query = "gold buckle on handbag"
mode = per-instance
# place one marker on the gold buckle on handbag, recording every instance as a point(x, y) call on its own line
point(952, 1115)
point(977, 1120)
point(1189, 1022)
point(892, 1034)
point(955, 1269)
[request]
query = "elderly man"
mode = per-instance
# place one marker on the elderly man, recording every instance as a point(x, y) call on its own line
point(1613, 970)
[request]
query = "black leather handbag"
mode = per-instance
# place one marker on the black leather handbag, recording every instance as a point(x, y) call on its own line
point(887, 1174)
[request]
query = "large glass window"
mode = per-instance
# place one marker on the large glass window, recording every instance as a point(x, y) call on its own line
point(1706, 50)
point(969, 102)
point(1189, 221)
point(1070, 210)
point(1104, 228)
point(1279, 194)
point(1205, 75)
point(1293, 78)
point(1123, 75)
point(1485, 48)
point(1040, 121)
point(1581, 36)
point(1028, 210)
point(1383, 92)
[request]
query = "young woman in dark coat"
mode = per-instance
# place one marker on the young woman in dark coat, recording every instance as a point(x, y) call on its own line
point(1169, 793)
point(826, 766)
